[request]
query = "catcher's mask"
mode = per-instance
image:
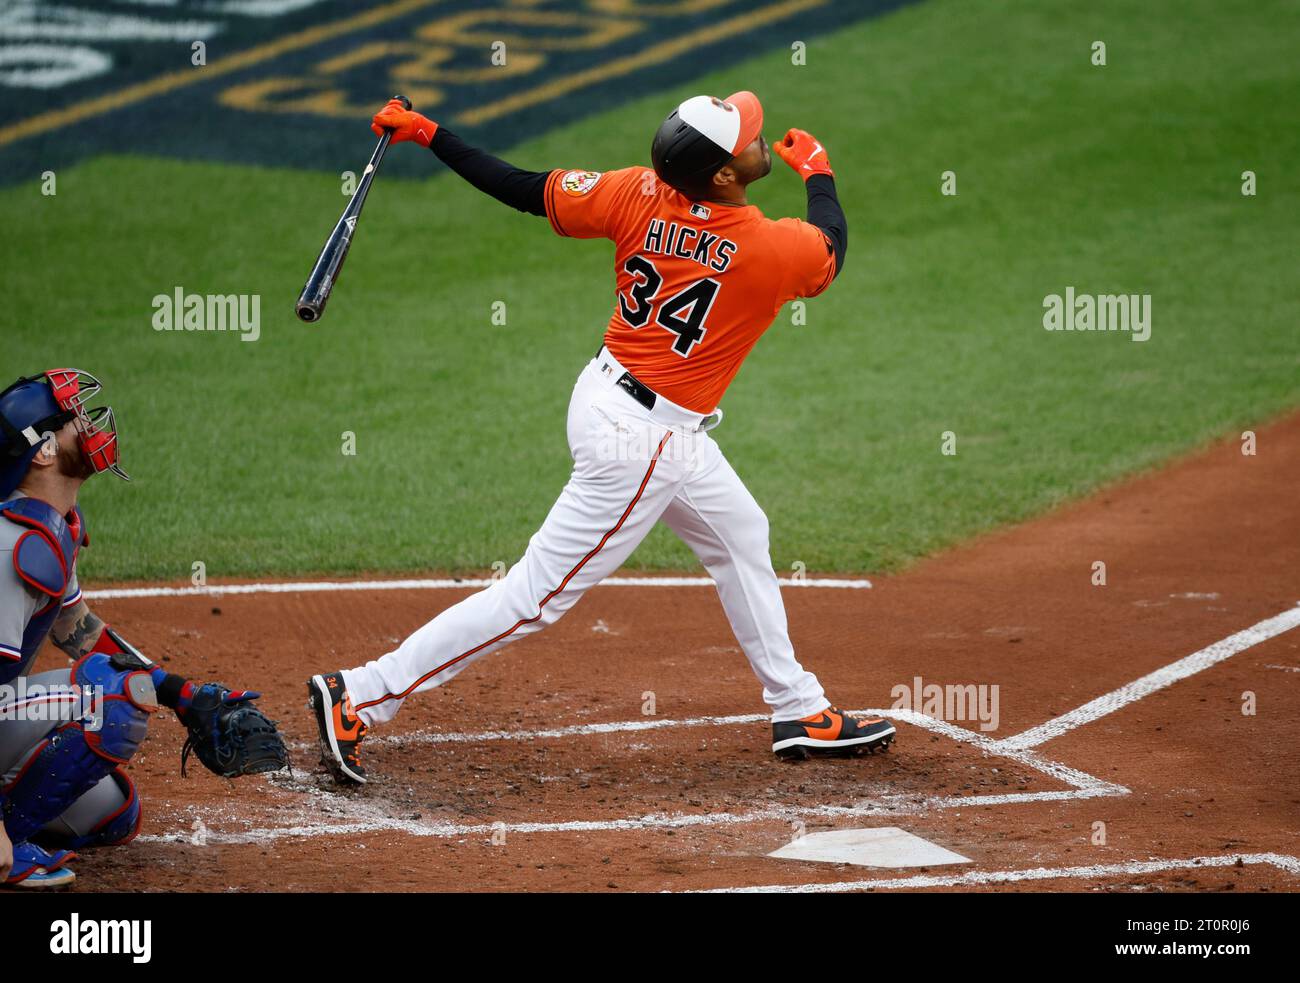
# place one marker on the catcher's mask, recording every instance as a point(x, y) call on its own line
point(36, 406)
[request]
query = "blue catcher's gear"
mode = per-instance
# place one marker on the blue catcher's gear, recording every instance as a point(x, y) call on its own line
point(43, 557)
point(37, 868)
point(76, 756)
point(229, 734)
point(107, 815)
point(28, 411)
point(129, 698)
point(34, 407)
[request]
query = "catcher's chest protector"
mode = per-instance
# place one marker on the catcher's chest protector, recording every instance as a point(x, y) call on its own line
point(44, 556)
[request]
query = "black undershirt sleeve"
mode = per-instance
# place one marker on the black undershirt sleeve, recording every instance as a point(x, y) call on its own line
point(824, 211)
point(524, 190)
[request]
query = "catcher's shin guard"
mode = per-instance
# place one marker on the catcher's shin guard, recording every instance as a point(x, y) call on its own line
point(72, 759)
point(59, 771)
point(107, 815)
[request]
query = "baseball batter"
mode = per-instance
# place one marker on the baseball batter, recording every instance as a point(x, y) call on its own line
point(700, 275)
point(67, 734)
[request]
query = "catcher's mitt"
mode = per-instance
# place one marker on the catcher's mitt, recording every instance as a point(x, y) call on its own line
point(230, 735)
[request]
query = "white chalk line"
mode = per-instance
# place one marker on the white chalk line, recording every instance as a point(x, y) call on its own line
point(360, 816)
point(575, 730)
point(1283, 862)
point(1153, 682)
point(330, 586)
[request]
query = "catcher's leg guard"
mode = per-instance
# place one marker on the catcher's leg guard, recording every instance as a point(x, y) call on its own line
point(107, 815)
point(128, 697)
point(75, 756)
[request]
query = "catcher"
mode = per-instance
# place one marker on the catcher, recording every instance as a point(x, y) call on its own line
point(65, 735)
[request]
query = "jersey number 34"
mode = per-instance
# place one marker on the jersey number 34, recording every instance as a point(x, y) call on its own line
point(683, 313)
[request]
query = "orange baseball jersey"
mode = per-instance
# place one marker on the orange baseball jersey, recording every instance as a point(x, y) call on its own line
point(697, 282)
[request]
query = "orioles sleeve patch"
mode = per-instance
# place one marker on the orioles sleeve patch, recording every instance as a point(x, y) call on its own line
point(578, 183)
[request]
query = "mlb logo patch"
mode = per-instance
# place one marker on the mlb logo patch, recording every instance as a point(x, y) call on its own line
point(699, 211)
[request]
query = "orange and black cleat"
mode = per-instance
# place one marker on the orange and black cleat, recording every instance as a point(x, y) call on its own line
point(341, 730)
point(830, 733)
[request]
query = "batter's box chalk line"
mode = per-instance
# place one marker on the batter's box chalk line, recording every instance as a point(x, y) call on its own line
point(1153, 682)
point(977, 878)
point(331, 586)
point(357, 815)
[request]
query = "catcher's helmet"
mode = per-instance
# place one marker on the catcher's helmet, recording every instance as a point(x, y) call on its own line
point(33, 408)
point(702, 135)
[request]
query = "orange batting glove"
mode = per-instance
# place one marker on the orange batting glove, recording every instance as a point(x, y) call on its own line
point(800, 150)
point(406, 124)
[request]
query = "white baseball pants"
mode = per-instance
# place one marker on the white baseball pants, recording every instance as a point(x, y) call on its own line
point(631, 468)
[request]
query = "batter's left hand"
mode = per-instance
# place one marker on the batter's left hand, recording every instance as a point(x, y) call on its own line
point(406, 124)
point(802, 151)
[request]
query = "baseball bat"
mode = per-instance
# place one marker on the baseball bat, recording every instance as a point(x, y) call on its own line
point(316, 292)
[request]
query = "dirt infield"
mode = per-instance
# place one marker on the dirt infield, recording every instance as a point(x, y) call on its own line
point(537, 769)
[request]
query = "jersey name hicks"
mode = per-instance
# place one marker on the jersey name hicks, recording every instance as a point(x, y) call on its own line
point(685, 242)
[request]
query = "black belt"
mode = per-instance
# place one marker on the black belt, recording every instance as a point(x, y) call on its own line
point(634, 387)
point(642, 393)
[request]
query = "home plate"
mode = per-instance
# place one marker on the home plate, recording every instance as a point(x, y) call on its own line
point(888, 846)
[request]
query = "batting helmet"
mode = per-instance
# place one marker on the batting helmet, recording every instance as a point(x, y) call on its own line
point(702, 135)
point(33, 408)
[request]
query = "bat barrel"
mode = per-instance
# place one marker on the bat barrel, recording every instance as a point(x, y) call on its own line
point(316, 292)
point(324, 275)
point(311, 302)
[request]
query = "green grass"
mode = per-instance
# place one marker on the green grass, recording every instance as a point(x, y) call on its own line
point(1116, 179)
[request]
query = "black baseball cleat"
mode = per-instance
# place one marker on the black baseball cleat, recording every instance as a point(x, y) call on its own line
point(341, 730)
point(830, 733)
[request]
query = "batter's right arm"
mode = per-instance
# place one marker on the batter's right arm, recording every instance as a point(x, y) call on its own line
point(803, 152)
point(824, 211)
